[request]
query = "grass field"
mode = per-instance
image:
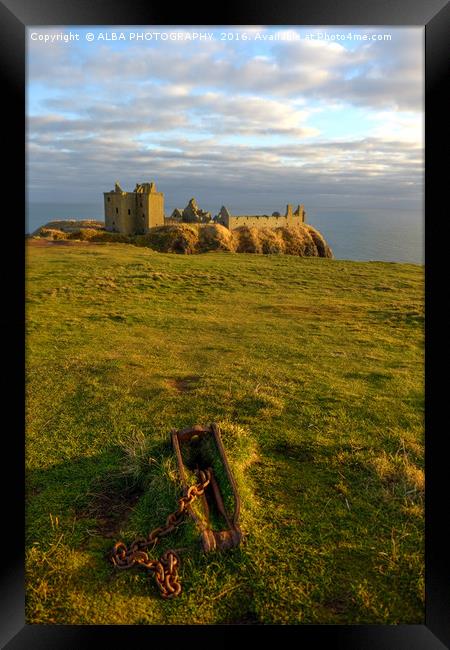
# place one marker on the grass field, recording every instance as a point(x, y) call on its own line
point(314, 370)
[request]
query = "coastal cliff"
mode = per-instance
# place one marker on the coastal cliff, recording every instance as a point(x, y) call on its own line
point(301, 240)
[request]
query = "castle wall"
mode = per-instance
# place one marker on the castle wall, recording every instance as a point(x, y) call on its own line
point(120, 212)
point(142, 213)
point(156, 209)
point(263, 221)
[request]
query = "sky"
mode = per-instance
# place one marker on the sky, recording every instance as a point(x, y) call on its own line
point(265, 117)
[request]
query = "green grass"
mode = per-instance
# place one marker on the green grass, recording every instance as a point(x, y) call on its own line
point(314, 370)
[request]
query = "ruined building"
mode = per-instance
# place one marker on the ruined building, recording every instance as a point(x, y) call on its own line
point(134, 212)
point(290, 218)
point(191, 214)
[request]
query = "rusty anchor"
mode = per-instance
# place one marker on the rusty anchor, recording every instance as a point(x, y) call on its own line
point(197, 449)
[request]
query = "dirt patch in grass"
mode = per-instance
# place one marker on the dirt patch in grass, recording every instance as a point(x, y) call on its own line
point(302, 454)
point(184, 384)
point(249, 618)
point(110, 506)
point(338, 604)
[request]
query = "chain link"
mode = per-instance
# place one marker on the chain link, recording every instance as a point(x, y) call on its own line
point(166, 568)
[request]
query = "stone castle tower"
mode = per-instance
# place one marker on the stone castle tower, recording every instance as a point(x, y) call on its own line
point(134, 212)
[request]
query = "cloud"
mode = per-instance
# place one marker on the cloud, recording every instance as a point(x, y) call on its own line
point(404, 127)
point(229, 120)
point(171, 108)
point(379, 73)
point(341, 174)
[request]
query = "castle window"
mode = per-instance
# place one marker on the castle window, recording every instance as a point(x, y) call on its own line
point(109, 199)
point(143, 216)
point(129, 211)
point(117, 210)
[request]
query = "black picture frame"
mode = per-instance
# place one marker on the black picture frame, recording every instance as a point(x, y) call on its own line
point(15, 16)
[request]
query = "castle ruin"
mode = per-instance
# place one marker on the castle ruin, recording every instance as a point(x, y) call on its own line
point(133, 213)
point(191, 214)
point(275, 220)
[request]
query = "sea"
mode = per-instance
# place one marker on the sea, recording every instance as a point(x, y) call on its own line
point(353, 235)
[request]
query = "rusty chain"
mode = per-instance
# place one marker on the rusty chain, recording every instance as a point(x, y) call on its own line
point(166, 568)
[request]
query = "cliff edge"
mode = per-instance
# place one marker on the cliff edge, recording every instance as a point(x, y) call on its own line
point(302, 240)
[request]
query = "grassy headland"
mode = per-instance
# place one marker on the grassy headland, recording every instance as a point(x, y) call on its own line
point(191, 238)
point(314, 370)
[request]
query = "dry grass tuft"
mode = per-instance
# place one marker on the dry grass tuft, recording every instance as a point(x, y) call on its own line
point(303, 241)
point(398, 470)
point(298, 241)
point(323, 249)
point(247, 239)
point(272, 242)
point(83, 234)
point(51, 233)
point(215, 237)
point(177, 238)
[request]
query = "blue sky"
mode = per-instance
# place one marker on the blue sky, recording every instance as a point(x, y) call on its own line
point(334, 123)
